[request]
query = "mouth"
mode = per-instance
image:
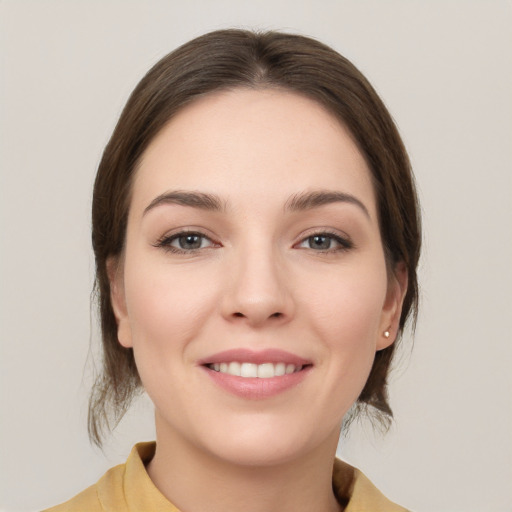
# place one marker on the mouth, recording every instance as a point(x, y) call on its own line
point(256, 375)
point(253, 370)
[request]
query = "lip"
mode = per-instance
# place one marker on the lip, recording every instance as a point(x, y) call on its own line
point(254, 388)
point(243, 355)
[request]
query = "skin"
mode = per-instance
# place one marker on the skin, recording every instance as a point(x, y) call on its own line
point(257, 281)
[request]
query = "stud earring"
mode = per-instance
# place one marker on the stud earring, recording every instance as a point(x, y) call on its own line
point(386, 334)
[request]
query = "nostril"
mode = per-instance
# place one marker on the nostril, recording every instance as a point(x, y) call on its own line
point(239, 315)
point(276, 315)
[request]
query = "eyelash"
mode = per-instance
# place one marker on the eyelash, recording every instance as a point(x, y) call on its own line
point(344, 244)
point(166, 241)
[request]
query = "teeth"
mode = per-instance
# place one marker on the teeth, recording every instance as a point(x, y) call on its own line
point(248, 370)
point(290, 368)
point(280, 369)
point(234, 368)
point(266, 371)
point(261, 371)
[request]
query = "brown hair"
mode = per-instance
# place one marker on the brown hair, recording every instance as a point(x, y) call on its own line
point(228, 59)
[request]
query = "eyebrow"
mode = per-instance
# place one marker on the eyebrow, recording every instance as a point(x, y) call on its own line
point(314, 199)
point(199, 200)
point(298, 202)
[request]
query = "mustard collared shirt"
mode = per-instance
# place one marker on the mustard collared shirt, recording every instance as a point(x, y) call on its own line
point(128, 488)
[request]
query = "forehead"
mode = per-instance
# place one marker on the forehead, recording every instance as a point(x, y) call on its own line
point(255, 143)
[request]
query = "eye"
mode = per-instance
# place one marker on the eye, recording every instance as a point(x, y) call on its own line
point(185, 241)
point(323, 242)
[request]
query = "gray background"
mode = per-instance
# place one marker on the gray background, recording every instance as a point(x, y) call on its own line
point(443, 68)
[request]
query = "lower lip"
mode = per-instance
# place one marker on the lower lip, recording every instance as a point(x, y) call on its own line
point(253, 388)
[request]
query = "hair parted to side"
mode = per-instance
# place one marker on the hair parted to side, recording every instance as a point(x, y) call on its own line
point(228, 59)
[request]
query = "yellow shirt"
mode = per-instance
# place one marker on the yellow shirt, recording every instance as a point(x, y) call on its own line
point(128, 488)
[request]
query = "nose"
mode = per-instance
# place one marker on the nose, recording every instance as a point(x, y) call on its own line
point(258, 291)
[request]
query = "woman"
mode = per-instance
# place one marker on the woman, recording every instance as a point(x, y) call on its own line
point(256, 234)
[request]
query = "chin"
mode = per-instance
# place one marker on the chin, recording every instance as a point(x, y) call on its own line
point(257, 454)
point(268, 443)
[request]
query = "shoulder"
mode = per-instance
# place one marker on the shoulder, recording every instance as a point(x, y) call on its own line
point(94, 498)
point(86, 500)
point(124, 487)
point(366, 497)
point(363, 496)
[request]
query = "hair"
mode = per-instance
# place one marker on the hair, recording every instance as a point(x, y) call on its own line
point(230, 59)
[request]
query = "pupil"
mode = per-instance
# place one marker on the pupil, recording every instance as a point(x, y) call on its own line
point(190, 242)
point(320, 242)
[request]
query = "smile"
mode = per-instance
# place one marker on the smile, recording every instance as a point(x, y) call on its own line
point(256, 375)
point(252, 370)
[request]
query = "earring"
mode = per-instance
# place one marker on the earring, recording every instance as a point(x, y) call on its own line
point(386, 334)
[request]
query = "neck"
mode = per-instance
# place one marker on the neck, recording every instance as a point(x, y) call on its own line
point(194, 480)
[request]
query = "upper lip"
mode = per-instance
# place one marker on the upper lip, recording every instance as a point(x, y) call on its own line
point(244, 355)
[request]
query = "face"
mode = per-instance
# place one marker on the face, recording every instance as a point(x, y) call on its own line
point(253, 286)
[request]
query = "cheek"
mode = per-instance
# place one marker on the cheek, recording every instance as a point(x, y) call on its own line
point(166, 306)
point(168, 310)
point(349, 305)
point(346, 316)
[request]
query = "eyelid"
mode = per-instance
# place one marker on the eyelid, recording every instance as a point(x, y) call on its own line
point(344, 240)
point(164, 242)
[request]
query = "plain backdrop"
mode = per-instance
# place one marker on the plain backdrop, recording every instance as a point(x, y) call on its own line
point(444, 69)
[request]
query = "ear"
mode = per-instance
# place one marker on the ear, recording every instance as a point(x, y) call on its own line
point(118, 300)
point(390, 318)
